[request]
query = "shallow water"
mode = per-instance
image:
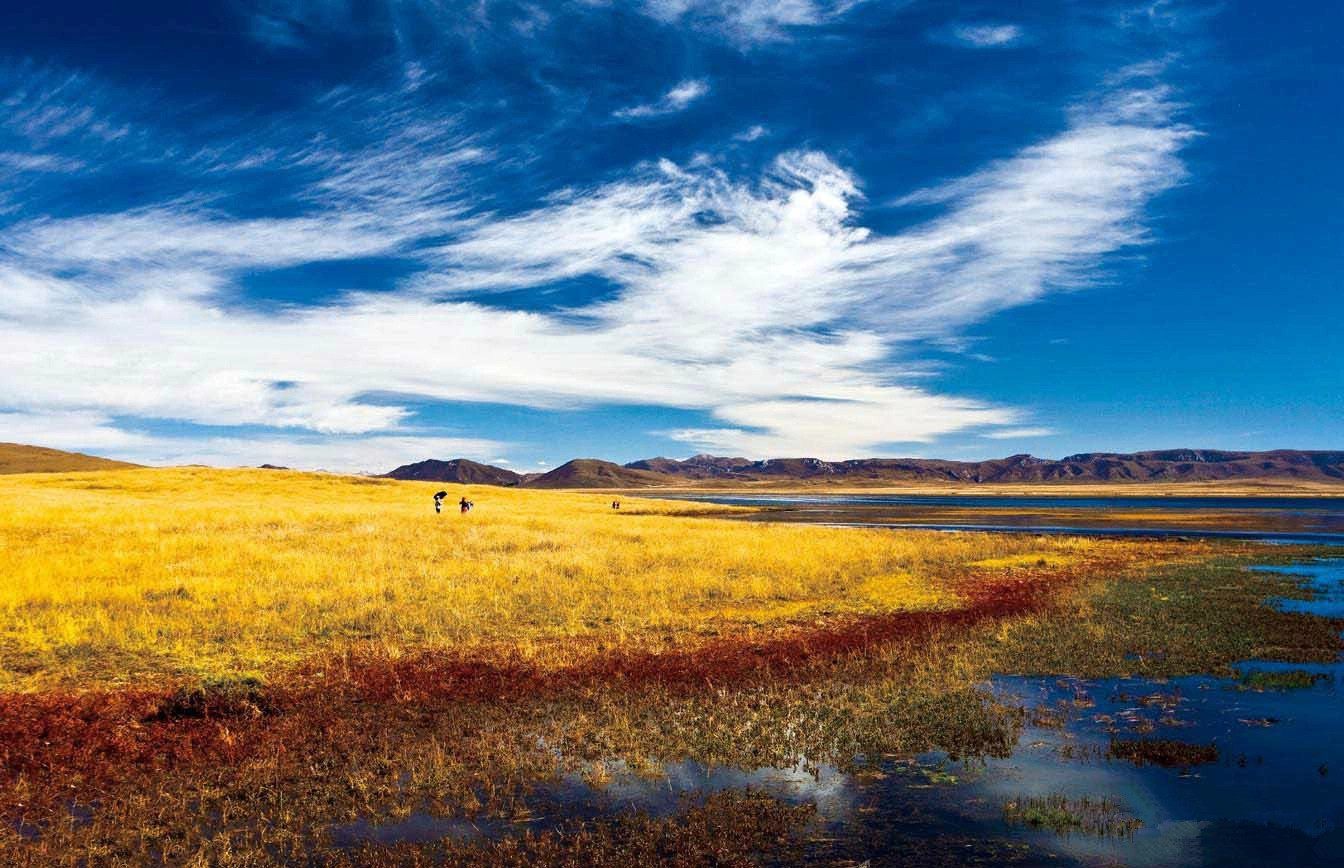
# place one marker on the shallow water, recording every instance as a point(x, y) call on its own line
point(1270, 792)
point(1331, 505)
point(1273, 519)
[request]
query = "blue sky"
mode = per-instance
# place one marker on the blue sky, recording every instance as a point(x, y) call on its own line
point(350, 235)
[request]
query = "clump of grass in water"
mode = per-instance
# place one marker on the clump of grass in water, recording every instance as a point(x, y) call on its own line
point(1292, 679)
point(1167, 753)
point(1101, 818)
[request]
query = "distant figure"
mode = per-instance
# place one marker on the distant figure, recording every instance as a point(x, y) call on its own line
point(615, 504)
point(438, 500)
point(465, 504)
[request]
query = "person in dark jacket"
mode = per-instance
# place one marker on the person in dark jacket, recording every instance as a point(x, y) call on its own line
point(438, 500)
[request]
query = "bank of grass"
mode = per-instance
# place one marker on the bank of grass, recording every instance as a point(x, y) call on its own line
point(197, 573)
point(1179, 618)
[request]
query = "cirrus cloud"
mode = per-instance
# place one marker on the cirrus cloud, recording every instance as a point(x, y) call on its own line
point(764, 302)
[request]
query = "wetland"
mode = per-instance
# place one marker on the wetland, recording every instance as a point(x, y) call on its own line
point(317, 672)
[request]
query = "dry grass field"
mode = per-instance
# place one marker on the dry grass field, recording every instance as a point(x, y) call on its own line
point(192, 573)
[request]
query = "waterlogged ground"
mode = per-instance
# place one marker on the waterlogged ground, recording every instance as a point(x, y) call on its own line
point(1184, 771)
point(1219, 771)
point(320, 671)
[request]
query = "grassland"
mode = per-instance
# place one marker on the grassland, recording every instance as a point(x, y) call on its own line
point(218, 667)
point(119, 577)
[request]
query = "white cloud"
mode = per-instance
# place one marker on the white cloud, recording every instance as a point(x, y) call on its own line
point(752, 133)
point(68, 429)
point(22, 162)
point(847, 429)
point(987, 35)
point(677, 99)
point(290, 25)
point(182, 237)
point(341, 455)
point(1017, 433)
point(761, 302)
point(45, 106)
point(750, 22)
point(96, 432)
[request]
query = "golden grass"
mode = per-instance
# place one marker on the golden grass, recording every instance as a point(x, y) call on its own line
point(191, 573)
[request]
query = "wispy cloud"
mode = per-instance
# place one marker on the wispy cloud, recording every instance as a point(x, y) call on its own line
point(186, 238)
point(1017, 433)
point(21, 162)
point(750, 22)
point(45, 105)
point(761, 301)
point(677, 99)
point(54, 121)
point(302, 25)
point(986, 35)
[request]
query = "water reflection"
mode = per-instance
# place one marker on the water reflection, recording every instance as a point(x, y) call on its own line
point(832, 792)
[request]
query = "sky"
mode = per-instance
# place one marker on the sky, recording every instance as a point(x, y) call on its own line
point(352, 234)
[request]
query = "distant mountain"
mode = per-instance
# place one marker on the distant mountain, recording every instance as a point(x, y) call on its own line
point(20, 458)
point(459, 470)
point(695, 467)
point(592, 473)
point(1173, 465)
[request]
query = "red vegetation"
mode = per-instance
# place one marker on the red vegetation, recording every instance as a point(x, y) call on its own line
point(58, 745)
point(437, 675)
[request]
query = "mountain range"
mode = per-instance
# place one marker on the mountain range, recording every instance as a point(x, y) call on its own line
point(1171, 465)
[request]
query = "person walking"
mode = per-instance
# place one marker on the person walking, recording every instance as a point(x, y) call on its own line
point(438, 500)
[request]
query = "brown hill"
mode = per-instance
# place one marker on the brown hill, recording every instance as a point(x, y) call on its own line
point(592, 473)
point(695, 467)
point(459, 470)
point(20, 458)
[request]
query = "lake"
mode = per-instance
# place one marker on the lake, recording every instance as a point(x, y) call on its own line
point(1273, 519)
